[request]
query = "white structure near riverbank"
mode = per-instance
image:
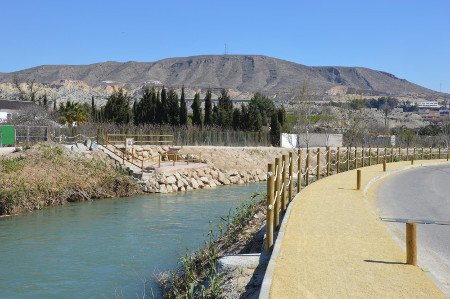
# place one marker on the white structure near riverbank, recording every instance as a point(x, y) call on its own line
point(310, 140)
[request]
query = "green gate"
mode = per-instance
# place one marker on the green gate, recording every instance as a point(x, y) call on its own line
point(7, 135)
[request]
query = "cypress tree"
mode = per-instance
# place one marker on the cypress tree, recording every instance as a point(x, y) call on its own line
point(236, 119)
point(196, 111)
point(164, 107)
point(183, 109)
point(281, 115)
point(159, 118)
point(245, 122)
point(215, 116)
point(225, 107)
point(93, 109)
point(208, 108)
point(173, 107)
point(254, 118)
point(275, 130)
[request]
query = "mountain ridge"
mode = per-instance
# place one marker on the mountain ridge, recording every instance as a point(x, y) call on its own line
point(242, 74)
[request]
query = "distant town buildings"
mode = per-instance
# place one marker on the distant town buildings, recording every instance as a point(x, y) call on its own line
point(10, 107)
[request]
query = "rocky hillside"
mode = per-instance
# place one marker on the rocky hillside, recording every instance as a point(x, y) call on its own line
point(241, 74)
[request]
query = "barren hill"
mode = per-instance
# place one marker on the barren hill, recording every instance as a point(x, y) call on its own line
point(241, 74)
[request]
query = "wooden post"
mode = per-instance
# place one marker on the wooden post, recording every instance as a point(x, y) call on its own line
point(439, 153)
point(291, 176)
point(448, 153)
point(431, 153)
point(338, 163)
point(421, 155)
point(392, 154)
point(328, 161)
point(358, 179)
point(159, 160)
point(411, 245)
point(399, 154)
point(370, 155)
point(318, 164)
point(132, 155)
point(284, 183)
point(269, 207)
point(348, 157)
point(384, 162)
point(362, 157)
point(407, 154)
point(308, 165)
point(277, 192)
point(299, 168)
point(356, 157)
point(414, 153)
point(142, 166)
point(378, 155)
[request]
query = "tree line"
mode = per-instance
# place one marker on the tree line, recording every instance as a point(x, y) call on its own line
point(166, 107)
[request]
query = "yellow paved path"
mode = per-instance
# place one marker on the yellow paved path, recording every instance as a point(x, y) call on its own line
point(335, 247)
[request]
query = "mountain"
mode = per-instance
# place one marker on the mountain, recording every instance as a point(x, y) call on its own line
point(243, 75)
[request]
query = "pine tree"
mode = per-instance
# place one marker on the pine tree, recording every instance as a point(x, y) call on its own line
point(225, 107)
point(183, 109)
point(236, 119)
point(196, 111)
point(275, 130)
point(281, 115)
point(173, 107)
point(208, 109)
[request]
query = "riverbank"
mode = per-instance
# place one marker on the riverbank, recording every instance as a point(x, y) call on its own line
point(230, 265)
point(48, 174)
point(221, 166)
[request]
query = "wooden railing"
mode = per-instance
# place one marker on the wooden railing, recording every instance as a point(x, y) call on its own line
point(141, 139)
point(281, 175)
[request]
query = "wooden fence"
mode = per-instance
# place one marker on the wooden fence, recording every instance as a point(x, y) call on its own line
point(305, 167)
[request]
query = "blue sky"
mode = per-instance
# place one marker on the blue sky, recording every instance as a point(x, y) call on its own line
point(410, 39)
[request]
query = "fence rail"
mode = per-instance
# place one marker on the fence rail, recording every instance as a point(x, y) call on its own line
point(281, 175)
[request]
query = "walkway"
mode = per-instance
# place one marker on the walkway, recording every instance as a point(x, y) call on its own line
point(334, 246)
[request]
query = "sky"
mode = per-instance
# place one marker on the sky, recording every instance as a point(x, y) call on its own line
point(408, 38)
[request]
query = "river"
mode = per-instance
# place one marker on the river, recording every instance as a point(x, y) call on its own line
point(107, 248)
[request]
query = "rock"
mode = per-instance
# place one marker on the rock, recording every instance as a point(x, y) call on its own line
point(181, 189)
point(189, 188)
point(206, 187)
point(171, 179)
point(234, 179)
point(204, 180)
point(212, 184)
point(241, 182)
point(200, 172)
point(214, 174)
point(169, 188)
point(226, 182)
point(162, 188)
point(221, 177)
point(180, 184)
point(145, 154)
point(262, 177)
point(194, 183)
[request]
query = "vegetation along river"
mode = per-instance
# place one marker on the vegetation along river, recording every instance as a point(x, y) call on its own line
point(107, 248)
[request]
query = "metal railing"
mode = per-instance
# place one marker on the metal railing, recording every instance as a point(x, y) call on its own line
point(281, 175)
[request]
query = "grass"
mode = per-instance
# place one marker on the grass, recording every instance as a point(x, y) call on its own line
point(48, 174)
point(197, 276)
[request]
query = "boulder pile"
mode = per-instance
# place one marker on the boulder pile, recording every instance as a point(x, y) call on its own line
point(200, 178)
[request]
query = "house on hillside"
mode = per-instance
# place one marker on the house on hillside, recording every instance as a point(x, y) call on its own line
point(10, 107)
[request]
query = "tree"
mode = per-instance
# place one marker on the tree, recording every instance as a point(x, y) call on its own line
point(173, 112)
point(225, 107)
point(164, 107)
point(245, 118)
point(93, 109)
point(72, 113)
point(117, 108)
point(236, 119)
point(215, 116)
point(281, 113)
point(28, 90)
point(196, 111)
point(183, 109)
point(264, 105)
point(275, 130)
point(254, 118)
point(208, 108)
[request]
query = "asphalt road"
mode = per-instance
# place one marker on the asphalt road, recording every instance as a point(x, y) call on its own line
point(422, 193)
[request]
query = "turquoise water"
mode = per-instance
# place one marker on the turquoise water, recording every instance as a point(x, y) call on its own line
point(107, 248)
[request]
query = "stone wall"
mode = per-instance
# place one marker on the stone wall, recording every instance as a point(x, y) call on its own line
point(200, 178)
